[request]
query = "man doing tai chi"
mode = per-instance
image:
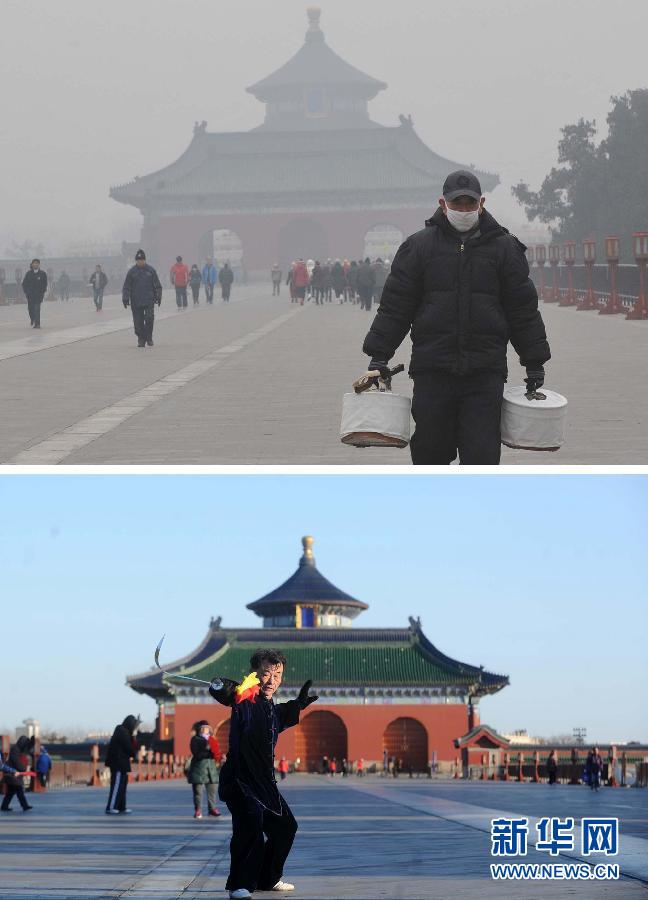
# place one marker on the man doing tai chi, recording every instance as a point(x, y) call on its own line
point(263, 825)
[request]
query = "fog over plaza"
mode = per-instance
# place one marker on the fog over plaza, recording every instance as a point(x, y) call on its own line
point(97, 93)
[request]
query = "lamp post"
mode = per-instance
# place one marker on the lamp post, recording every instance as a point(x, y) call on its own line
point(640, 246)
point(589, 258)
point(612, 256)
point(569, 256)
point(554, 259)
point(541, 259)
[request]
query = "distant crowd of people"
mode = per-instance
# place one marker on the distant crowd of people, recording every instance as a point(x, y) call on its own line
point(348, 281)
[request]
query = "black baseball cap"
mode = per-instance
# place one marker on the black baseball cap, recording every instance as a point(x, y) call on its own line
point(462, 184)
point(140, 255)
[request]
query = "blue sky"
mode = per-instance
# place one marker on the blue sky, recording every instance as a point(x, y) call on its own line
point(542, 578)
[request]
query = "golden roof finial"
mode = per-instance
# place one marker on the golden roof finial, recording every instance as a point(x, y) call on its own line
point(307, 544)
point(313, 13)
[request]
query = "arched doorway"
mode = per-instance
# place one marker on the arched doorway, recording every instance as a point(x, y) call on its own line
point(222, 735)
point(223, 245)
point(382, 241)
point(303, 238)
point(320, 734)
point(406, 739)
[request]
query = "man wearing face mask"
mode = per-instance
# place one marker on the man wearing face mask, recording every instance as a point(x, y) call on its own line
point(462, 286)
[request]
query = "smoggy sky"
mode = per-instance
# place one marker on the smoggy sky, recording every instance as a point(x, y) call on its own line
point(95, 93)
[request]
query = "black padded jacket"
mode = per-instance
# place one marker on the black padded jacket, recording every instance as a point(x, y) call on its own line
point(464, 297)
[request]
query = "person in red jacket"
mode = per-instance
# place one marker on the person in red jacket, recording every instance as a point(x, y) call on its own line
point(180, 279)
point(300, 280)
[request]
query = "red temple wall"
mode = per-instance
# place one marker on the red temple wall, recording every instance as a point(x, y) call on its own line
point(260, 234)
point(365, 726)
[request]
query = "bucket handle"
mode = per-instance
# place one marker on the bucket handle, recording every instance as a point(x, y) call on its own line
point(370, 379)
point(535, 395)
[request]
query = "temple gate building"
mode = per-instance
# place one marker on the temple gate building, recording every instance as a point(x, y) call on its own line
point(318, 178)
point(378, 688)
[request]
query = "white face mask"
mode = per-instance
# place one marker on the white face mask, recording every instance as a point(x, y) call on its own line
point(462, 221)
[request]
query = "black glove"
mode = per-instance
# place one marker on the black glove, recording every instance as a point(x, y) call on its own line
point(381, 366)
point(224, 694)
point(125, 305)
point(305, 699)
point(535, 377)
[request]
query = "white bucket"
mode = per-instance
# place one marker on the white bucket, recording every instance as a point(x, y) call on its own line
point(375, 419)
point(533, 424)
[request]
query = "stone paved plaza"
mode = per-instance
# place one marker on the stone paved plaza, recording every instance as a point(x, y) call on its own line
point(360, 838)
point(260, 381)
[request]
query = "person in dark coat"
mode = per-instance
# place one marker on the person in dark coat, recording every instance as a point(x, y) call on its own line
point(275, 277)
point(462, 286)
point(380, 276)
point(121, 749)
point(34, 286)
point(263, 825)
point(142, 290)
point(226, 277)
point(195, 280)
point(365, 284)
point(64, 284)
point(17, 762)
point(317, 283)
point(352, 276)
point(338, 281)
point(594, 768)
point(98, 280)
point(552, 767)
point(203, 770)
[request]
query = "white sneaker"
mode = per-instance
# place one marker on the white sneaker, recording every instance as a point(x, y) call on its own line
point(239, 894)
point(283, 886)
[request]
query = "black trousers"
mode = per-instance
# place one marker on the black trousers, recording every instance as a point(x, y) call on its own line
point(117, 792)
point(195, 290)
point(457, 413)
point(225, 291)
point(14, 790)
point(365, 298)
point(181, 297)
point(260, 843)
point(143, 318)
point(209, 292)
point(34, 308)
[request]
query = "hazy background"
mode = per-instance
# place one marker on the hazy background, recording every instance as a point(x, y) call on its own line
point(95, 93)
point(539, 578)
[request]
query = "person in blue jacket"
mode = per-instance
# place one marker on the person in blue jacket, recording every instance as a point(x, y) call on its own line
point(43, 766)
point(209, 279)
point(142, 290)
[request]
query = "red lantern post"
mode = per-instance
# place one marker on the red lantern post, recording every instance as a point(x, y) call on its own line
point(541, 259)
point(554, 258)
point(612, 256)
point(589, 257)
point(640, 245)
point(569, 256)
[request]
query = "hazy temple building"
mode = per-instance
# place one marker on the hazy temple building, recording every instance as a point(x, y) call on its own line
point(314, 180)
point(379, 688)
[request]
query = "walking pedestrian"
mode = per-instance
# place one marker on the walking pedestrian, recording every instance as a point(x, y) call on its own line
point(18, 763)
point(64, 284)
point(141, 291)
point(300, 280)
point(195, 280)
point(121, 749)
point(352, 276)
point(338, 281)
point(98, 280)
point(594, 768)
point(316, 283)
point(360, 768)
point(209, 278)
point(43, 767)
point(283, 768)
point(263, 826)
point(275, 277)
point(365, 283)
point(203, 770)
point(179, 276)
point(344, 768)
point(333, 767)
point(327, 283)
point(226, 278)
point(552, 767)
point(34, 286)
point(380, 276)
point(290, 281)
point(462, 286)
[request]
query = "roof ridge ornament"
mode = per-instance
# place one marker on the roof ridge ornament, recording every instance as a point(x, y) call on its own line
point(314, 31)
point(307, 558)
